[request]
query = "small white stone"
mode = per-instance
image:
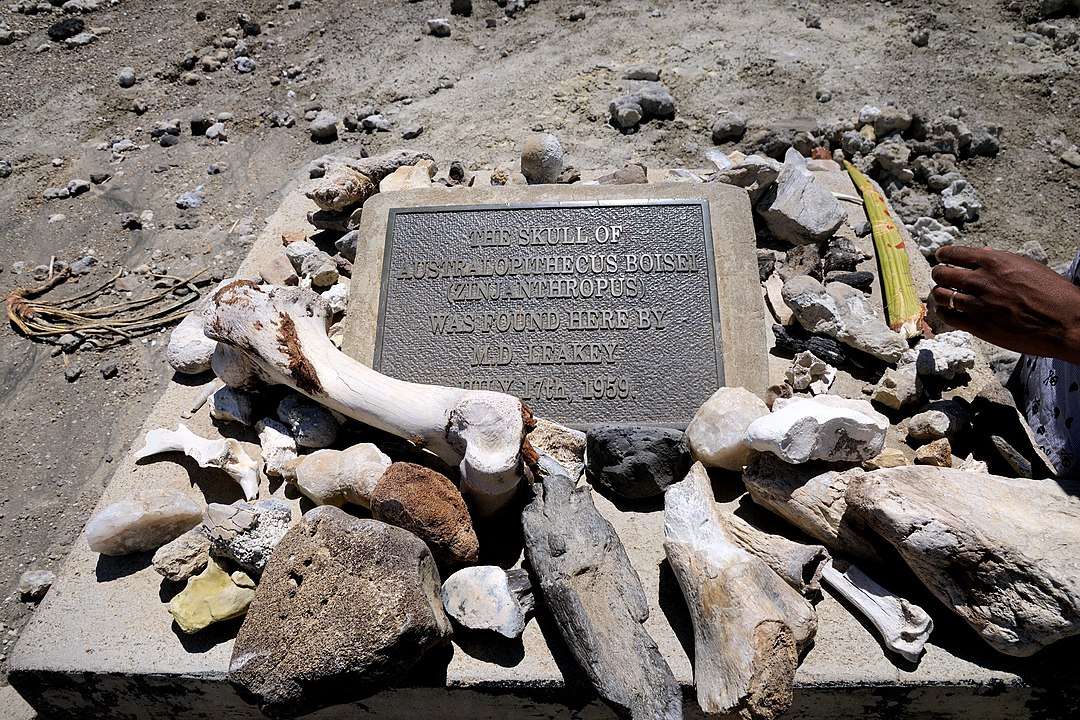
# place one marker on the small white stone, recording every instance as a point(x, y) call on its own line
point(717, 433)
point(825, 427)
point(189, 349)
point(480, 598)
point(33, 584)
point(930, 425)
point(808, 371)
point(143, 521)
point(298, 252)
point(898, 387)
point(944, 356)
point(541, 159)
point(337, 297)
point(278, 448)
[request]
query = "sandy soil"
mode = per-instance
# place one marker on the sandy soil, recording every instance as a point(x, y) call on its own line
point(478, 93)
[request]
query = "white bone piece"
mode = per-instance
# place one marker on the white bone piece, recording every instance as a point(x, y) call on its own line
point(225, 453)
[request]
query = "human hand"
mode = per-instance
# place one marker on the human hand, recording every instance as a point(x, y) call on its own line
point(1009, 301)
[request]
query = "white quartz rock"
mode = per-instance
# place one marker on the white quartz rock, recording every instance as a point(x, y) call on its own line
point(230, 405)
point(336, 297)
point(146, 520)
point(278, 448)
point(825, 427)
point(844, 313)
point(224, 453)
point(335, 477)
point(486, 597)
point(717, 433)
point(189, 350)
point(808, 371)
point(247, 533)
point(944, 356)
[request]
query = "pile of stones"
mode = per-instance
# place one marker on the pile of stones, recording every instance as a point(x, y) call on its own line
point(391, 521)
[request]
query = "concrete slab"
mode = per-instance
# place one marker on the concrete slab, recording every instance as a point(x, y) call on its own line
point(102, 644)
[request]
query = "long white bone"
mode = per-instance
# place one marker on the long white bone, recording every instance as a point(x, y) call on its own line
point(277, 335)
point(904, 626)
point(225, 453)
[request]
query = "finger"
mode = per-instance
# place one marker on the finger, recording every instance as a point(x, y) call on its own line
point(958, 301)
point(962, 256)
point(957, 277)
point(958, 320)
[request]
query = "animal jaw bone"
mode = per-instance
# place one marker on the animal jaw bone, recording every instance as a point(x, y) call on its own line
point(278, 335)
point(904, 626)
point(225, 453)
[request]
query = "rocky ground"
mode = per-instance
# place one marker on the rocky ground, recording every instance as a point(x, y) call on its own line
point(75, 113)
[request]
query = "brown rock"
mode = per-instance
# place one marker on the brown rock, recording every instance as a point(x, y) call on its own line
point(889, 458)
point(937, 453)
point(341, 187)
point(428, 505)
point(632, 174)
point(343, 610)
point(278, 271)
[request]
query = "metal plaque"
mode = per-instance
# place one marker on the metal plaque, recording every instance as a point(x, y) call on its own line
point(590, 312)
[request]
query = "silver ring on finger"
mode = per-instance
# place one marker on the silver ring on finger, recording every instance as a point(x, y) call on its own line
point(952, 298)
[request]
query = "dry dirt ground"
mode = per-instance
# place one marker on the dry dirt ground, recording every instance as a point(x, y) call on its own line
point(478, 93)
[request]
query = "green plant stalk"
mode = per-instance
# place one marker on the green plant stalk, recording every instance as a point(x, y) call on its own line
point(903, 309)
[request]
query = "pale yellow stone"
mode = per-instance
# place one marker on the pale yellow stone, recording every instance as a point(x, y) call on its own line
point(889, 458)
point(212, 596)
point(409, 177)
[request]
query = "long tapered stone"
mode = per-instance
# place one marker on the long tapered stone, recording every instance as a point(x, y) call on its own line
point(1001, 552)
point(596, 598)
point(749, 624)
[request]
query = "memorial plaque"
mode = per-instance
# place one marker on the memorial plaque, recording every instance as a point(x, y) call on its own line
point(590, 310)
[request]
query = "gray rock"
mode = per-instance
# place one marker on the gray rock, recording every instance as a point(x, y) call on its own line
point(626, 113)
point(642, 72)
point(5, 168)
point(346, 245)
point(486, 597)
point(636, 462)
point(596, 599)
point(83, 38)
point(412, 131)
point(345, 607)
point(126, 77)
point(184, 557)
point(891, 119)
point(930, 425)
point(231, 405)
point(377, 122)
point(854, 144)
point(946, 355)
point(312, 425)
point(461, 7)
point(217, 131)
point(247, 533)
point(844, 313)
point(108, 369)
point(728, 126)
point(1033, 250)
point(324, 127)
point(189, 350)
point(799, 210)
point(72, 373)
point(438, 27)
point(578, 13)
point(33, 584)
point(931, 235)
point(644, 100)
point(898, 387)
point(541, 159)
point(244, 64)
point(756, 174)
point(961, 202)
point(191, 199)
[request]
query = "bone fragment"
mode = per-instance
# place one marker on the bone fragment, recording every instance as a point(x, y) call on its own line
point(810, 497)
point(798, 564)
point(596, 598)
point(904, 626)
point(225, 453)
point(278, 335)
point(748, 623)
point(1000, 552)
point(278, 449)
point(207, 390)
